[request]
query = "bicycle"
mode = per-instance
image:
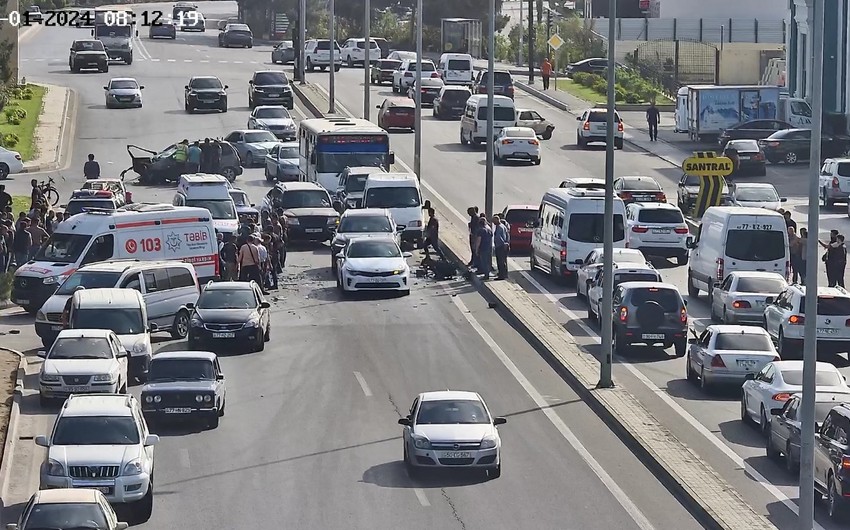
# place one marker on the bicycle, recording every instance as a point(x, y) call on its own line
point(49, 191)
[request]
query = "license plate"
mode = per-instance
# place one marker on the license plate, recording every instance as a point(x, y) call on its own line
point(456, 454)
point(170, 410)
point(22, 302)
point(313, 230)
point(827, 331)
point(224, 335)
point(743, 157)
point(56, 328)
point(274, 95)
point(375, 280)
point(652, 336)
point(77, 389)
point(747, 364)
point(660, 230)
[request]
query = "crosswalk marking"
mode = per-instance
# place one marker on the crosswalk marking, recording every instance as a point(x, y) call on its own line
point(143, 59)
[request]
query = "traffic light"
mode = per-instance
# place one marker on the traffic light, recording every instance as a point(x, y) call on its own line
point(551, 24)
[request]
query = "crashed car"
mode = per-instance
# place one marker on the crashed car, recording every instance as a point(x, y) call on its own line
point(159, 167)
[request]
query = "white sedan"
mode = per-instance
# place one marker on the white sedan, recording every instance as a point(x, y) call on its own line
point(10, 163)
point(726, 354)
point(273, 118)
point(756, 195)
point(593, 262)
point(777, 382)
point(518, 143)
point(373, 265)
point(742, 296)
point(123, 92)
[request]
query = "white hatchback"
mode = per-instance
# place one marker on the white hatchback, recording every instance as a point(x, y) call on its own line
point(517, 143)
point(658, 229)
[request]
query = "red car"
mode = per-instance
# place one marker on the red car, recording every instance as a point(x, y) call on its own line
point(521, 218)
point(397, 113)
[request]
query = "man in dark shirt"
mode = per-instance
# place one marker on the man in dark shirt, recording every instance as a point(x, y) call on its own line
point(472, 225)
point(91, 169)
point(36, 196)
point(5, 198)
point(653, 116)
point(788, 221)
point(432, 235)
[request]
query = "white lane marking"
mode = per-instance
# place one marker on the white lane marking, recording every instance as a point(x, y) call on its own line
point(634, 512)
point(143, 49)
point(155, 60)
point(363, 385)
point(237, 62)
point(187, 60)
point(184, 458)
point(205, 61)
point(223, 62)
point(172, 60)
point(420, 494)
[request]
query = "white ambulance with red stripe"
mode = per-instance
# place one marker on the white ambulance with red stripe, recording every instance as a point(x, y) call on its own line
point(145, 232)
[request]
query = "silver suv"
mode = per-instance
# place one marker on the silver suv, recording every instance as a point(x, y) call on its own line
point(651, 313)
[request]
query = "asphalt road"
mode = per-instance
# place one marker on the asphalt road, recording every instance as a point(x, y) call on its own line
point(310, 439)
point(711, 424)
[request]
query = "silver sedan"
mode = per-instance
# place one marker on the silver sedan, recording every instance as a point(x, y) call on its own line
point(743, 295)
point(123, 92)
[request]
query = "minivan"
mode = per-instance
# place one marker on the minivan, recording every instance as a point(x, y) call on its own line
point(569, 225)
point(473, 123)
point(456, 68)
point(400, 194)
point(166, 286)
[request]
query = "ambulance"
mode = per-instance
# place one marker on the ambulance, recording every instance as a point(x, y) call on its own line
point(212, 192)
point(147, 232)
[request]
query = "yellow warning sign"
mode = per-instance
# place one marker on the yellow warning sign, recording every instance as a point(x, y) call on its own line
point(555, 41)
point(706, 164)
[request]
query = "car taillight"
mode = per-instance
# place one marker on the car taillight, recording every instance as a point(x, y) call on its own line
point(506, 142)
point(620, 126)
point(586, 126)
point(741, 304)
point(759, 156)
point(625, 195)
point(682, 230)
point(782, 396)
point(717, 362)
point(773, 144)
point(683, 315)
point(660, 197)
point(509, 90)
point(847, 323)
point(640, 229)
point(797, 320)
point(563, 251)
point(845, 462)
point(720, 264)
point(834, 182)
point(534, 142)
point(624, 313)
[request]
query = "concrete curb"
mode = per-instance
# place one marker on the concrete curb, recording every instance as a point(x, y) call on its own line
point(11, 431)
point(69, 118)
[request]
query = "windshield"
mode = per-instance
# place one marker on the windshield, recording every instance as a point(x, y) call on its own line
point(519, 133)
point(601, 117)
point(355, 183)
point(628, 256)
point(465, 411)
point(181, 370)
point(272, 112)
point(757, 194)
point(756, 245)
point(325, 45)
point(114, 31)
point(668, 299)
point(124, 84)
point(259, 136)
point(81, 348)
point(501, 78)
point(427, 66)
point(336, 162)
point(271, 78)
point(822, 378)
point(460, 64)
point(96, 430)
point(88, 46)
point(305, 199)
point(227, 299)
point(743, 342)
point(205, 82)
point(288, 153)
point(126, 321)
point(588, 227)
point(499, 113)
point(89, 280)
point(760, 285)
point(829, 306)
point(66, 515)
point(624, 277)
point(63, 248)
point(660, 216)
point(358, 224)
point(218, 208)
point(392, 197)
point(801, 108)
point(521, 217)
point(456, 96)
point(79, 205)
point(373, 249)
point(240, 198)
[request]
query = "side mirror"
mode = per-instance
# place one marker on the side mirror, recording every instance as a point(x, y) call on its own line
point(578, 118)
point(407, 255)
point(685, 302)
point(121, 526)
point(251, 82)
point(777, 411)
point(579, 262)
point(106, 88)
point(141, 87)
point(153, 328)
point(186, 87)
point(783, 199)
point(818, 425)
point(190, 306)
point(226, 87)
point(377, 106)
point(392, 158)
point(404, 421)
point(340, 255)
point(499, 421)
point(42, 353)
point(253, 205)
point(691, 244)
point(71, 49)
point(151, 439)
point(122, 354)
point(399, 228)
point(219, 377)
point(41, 440)
point(265, 305)
point(750, 377)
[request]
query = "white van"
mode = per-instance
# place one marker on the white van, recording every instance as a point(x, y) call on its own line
point(569, 226)
point(681, 113)
point(400, 194)
point(473, 123)
point(212, 192)
point(148, 233)
point(456, 69)
point(166, 286)
point(123, 312)
point(731, 239)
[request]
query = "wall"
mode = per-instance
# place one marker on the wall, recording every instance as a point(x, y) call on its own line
point(763, 9)
point(740, 63)
point(729, 29)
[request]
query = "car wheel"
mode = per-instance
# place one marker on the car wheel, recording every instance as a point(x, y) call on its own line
point(786, 350)
point(4, 171)
point(180, 326)
point(681, 347)
point(764, 422)
point(689, 371)
point(693, 290)
point(412, 471)
point(537, 161)
point(43, 401)
point(249, 159)
point(143, 509)
point(223, 406)
point(267, 336)
point(586, 290)
point(261, 344)
point(790, 157)
point(532, 262)
point(827, 203)
point(308, 65)
point(547, 134)
point(229, 173)
point(703, 382)
point(349, 62)
point(682, 260)
point(617, 346)
point(791, 465)
point(553, 271)
point(834, 502)
point(745, 416)
point(770, 449)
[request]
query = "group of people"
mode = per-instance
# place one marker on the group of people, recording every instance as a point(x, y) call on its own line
point(198, 157)
point(21, 237)
point(255, 252)
point(488, 238)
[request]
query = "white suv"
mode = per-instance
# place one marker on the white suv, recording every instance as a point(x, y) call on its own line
point(658, 229)
point(784, 320)
point(405, 75)
point(592, 127)
point(834, 181)
point(317, 54)
point(102, 442)
point(354, 52)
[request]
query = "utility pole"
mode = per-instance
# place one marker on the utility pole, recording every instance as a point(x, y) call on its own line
point(810, 354)
point(417, 132)
point(332, 65)
point(531, 42)
point(491, 108)
point(302, 36)
point(605, 380)
point(367, 67)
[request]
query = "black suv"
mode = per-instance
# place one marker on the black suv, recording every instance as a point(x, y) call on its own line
point(503, 83)
point(270, 87)
point(230, 313)
point(88, 54)
point(651, 313)
point(832, 460)
point(307, 208)
point(205, 92)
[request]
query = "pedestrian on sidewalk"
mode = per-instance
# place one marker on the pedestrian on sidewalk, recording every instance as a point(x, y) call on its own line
point(804, 244)
point(653, 116)
point(472, 225)
point(788, 221)
point(546, 72)
point(835, 259)
point(795, 249)
point(501, 245)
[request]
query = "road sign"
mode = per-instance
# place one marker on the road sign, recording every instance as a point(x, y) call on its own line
point(281, 23)
point(555, 42)
point(711, 170)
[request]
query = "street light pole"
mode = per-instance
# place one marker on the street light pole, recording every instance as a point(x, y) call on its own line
point(605, 380)
point(332, 65)
point(302, 35)
point(530, 42)
point(491, 67)
point(807, 441)
point(367, 67)
point(417, 131)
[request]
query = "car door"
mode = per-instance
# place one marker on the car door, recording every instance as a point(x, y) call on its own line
point(411, 415)
point(699, 349)
point(761, 391)
point(594, 296)
point(272, 160)
point(237, 140)
point(583, 274)
point(774, 312)
point(115, 344)
point(264, 312)
point(823, 440)
point(524, 119)
point(720, 296)
point(157, 286)
point(220, 388)
point(785, 429)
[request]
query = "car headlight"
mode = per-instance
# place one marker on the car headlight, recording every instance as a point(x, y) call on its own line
point(415, 224)
point(157, 399)
point(199, 398)
point(40, 315)
point(420, 442)
point(196, 322)
point(333, 221)
point(193, 93)
point(253, 322)
point(148, 399)
point(207, 398)
point(50, 280)
point(398, 271)
point(140, 347)
point(488, 442)
point(104, 378)
point(133, 468)
point(50, 378)
point(293, 221)
point(55, 469)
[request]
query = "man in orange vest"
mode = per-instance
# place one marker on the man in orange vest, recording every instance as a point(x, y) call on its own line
point(546, 72)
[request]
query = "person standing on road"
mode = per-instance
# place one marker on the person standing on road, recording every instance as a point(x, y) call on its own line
point(193, 158)
point(206, 152)
point(249, 263)
point(38, 235)
point(653, 116)
point(22, 242)
point(835, 259)
point(546, 72)
point(4, 250)
point(91, 169)
point(181, 155)
point(36, 197)
point(432, 235)
point(215, 157)
point(472, 225)
point(804, 242)
point(5, 198)
point(228, 253)
point(788, 221)
point(795, 250)
point(484, 244)
point(501, 244)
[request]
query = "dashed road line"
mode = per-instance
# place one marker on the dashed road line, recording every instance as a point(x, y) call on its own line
point(363, 385)
point(420, 494)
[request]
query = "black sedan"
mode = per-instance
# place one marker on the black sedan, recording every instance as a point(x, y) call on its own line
point(184, 385)
point(236, 35)
point(167, 29)
point(747, 157)
point(230, 313)
point(205, 92)
point(596, 65)
point(382, 71)
point(793, 145)
point(639, 189)
point(752, 130)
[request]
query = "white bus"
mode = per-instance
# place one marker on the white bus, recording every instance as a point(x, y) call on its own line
point(326, 146)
